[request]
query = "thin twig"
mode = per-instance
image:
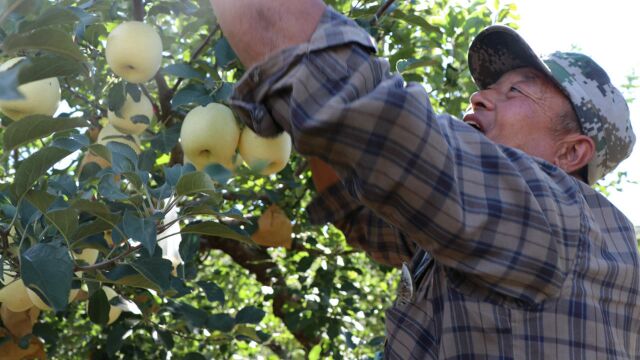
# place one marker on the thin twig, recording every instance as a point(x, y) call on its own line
point(196, 54)
point(381, 12)
point(10, 10)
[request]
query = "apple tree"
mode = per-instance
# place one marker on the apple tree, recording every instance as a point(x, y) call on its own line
point(139, 219)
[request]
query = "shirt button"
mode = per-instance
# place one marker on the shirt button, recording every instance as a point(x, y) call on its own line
point(258, 113)
point(405, 287)
point(255, 76)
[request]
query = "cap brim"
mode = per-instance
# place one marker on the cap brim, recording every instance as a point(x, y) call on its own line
point(497, 50)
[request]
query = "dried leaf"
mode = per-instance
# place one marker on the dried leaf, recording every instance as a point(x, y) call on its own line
point(274, 228)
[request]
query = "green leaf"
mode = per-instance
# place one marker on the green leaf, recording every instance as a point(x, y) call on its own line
point(224, 53)
point(96, 209)
point(43, 67)
point(182, 70)
point(211, 228)
point(195, 182)
point(9, 83)
point(127, 275)
point(99, 307)
point(48, 268)
point(249, 315)
point(194, 356)
point(194, 317)
point(36, 127)
point(245, 332)
point(47, 332)
point(35, 166)
point(166, 139)
point(410, 64)
point(52, 16)
point(116, 97)
point(100, 150)
point(191, 94)
point(65, 220)
point(115, 337)
point(53, 40)
point(218, 173)
point(213, 291)
point(166, 338)
point(89, 228)
point(40, 199)
point(156, 270)
point(140, 229)
point(223, 92)
point(140, 119)
point(189, 247)
point(416, 20)
point(123, 157)
point(221, 322)
point(108, 188)
point(134, 91)
point(315, 352)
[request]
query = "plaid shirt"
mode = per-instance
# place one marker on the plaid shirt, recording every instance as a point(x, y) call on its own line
point(511, 257)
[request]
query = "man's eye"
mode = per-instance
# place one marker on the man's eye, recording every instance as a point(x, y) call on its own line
point(513, 88)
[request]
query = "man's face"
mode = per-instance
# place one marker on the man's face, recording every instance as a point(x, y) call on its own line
point(519, 110)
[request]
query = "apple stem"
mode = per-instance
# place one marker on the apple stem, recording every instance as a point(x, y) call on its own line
point(138, 10)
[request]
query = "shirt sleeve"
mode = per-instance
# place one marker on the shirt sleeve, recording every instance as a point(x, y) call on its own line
point(361, 227)
point(504, 219)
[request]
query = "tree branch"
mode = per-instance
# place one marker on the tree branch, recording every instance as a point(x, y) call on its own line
point(196, 54)
point(381, 11)
point(259, 262)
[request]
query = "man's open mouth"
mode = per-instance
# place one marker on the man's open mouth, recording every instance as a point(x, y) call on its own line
point(475, 125)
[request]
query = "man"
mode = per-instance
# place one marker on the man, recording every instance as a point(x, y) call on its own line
point(506, 252)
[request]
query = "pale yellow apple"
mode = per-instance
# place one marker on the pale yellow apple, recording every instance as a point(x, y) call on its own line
point(129, 109)
point(134, 51)
point(209, 135)
point(268, 155)
point(110, 133)
point(14, 295)
point(88, 255)
point(39, 302)
point(114, 311)
point(41, 97)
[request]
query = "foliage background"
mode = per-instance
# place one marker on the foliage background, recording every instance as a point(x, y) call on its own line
point(230, 299)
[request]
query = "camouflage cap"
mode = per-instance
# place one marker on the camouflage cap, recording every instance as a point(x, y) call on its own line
point(601, 109)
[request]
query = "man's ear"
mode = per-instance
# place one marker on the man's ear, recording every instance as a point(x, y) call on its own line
point(573, 152)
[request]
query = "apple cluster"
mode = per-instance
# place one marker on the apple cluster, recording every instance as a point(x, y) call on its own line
point(211, 135)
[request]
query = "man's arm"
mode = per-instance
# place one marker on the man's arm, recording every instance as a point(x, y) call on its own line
point(257, 28)
point(492, 213)
point(361, 227)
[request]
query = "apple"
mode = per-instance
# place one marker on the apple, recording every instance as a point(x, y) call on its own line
point(210, 135)
point(110, 133)
point(114, 311)
point(39, 302)
point(40, 97)
point(14, 295)
point(267, 155)
point(129, 109)
point(87, 255)
point(134, 51)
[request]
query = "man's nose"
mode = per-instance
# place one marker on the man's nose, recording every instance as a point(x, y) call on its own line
point(482, 100)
